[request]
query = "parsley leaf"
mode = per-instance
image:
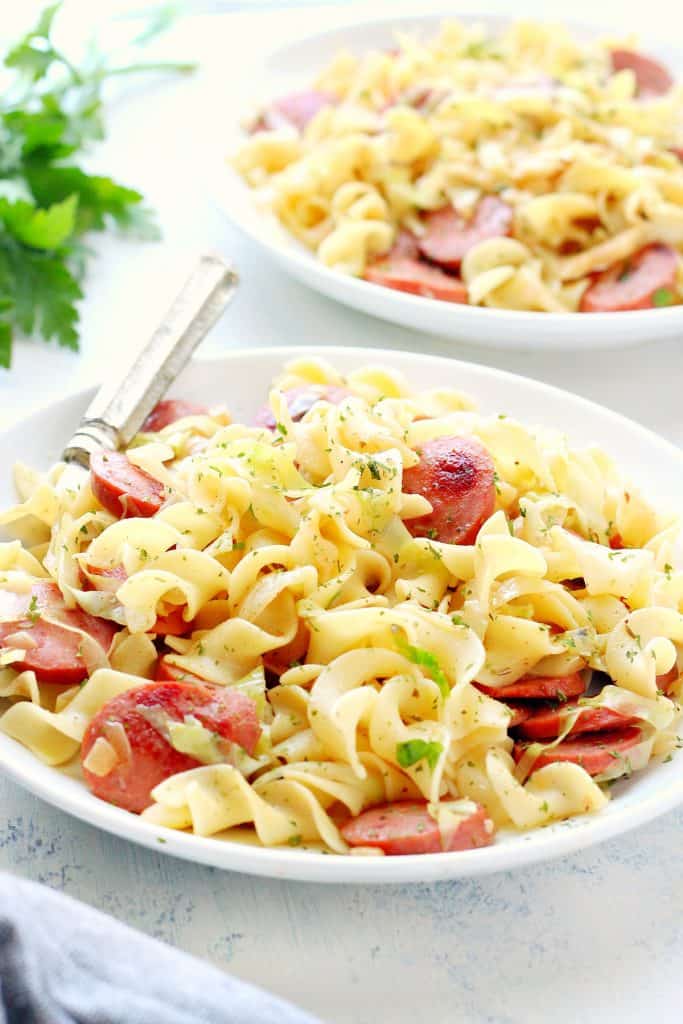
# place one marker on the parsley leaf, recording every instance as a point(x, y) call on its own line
point(412, 751)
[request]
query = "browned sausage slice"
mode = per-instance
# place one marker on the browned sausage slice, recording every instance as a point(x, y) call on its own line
point(652, 78)
point(548, 723)
point(123, 489)
point(417, 278)
point(53, 652)
point(405, 247)
point(407, 827)
point(456, 475)
point(296, 109)
point(595, 752)
point(645, 281)
point(538, 688)
point(134, 722)
point(168, 411)
point(300, 400)
point(448, 236)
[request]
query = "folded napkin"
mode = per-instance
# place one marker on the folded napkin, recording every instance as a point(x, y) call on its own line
point(64, 963)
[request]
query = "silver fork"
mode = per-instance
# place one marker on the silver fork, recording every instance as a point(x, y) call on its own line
point(120, 407)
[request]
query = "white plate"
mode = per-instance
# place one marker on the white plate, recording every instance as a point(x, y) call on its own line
point(241, 379)
point(293, 67)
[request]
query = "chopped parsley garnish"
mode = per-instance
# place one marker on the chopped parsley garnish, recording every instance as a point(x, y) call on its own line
point(663, 297)
point(375, 470)
point(33, 612)
point(281, 428)
point(412, 751)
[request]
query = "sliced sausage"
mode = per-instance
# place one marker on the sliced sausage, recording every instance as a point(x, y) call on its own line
point(405, 246)
point(296, 109)
point(521, 710)
point(123, 489)
point(548, 723)
point(652, 78)
point(110, 572)
point(300, 400)
point(644, 281)
point(595, 752)
point(407, 827)
point(538, 688)
point(145, 756)
point(665, 682)
point(448, 237)
point(456, 476)
point(53, 652)
point(417, 278)
point(167, 672)
point(168, 411)
point(282, 658)
point(171, 624)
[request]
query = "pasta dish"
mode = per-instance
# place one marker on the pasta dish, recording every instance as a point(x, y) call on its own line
point(529, 170)
point(372, 622)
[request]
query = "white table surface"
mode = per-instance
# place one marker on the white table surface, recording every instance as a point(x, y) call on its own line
point(595, 937)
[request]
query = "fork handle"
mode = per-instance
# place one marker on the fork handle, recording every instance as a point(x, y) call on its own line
point(120, 407)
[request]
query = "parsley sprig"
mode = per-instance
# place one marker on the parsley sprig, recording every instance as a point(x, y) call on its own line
point(50, 112)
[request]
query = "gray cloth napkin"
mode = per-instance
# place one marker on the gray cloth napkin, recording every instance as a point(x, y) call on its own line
point(64, 963)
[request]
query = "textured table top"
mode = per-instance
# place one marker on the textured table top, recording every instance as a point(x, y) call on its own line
point(595, 937)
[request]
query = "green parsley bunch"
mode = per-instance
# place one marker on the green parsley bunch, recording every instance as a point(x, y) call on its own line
point(50, 112)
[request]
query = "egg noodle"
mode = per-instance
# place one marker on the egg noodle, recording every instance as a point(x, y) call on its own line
point(586, 162)
point(267, 536)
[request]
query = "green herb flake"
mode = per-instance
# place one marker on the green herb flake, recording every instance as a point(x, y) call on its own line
point(33, 612)
point(663, 297)
point(412, 751)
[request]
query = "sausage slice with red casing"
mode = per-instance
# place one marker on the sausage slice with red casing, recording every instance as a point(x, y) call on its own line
point(300, 400)
point(549, 723)
point(652, 78)
point(456, 476)
point(644, 281)
point(133, 723)
point(448, 237)
point(172, 623)
point(53, 652)
point(407, 827)
point(521, 711)
point(167, 672)
point(296, 109)
point(597, 752)
point(405, 246)
point(168, 411)
point(538, 688)
point(416, 278)
point(123, 489)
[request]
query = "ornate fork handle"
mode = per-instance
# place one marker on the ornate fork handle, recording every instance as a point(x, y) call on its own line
point(119, 408)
